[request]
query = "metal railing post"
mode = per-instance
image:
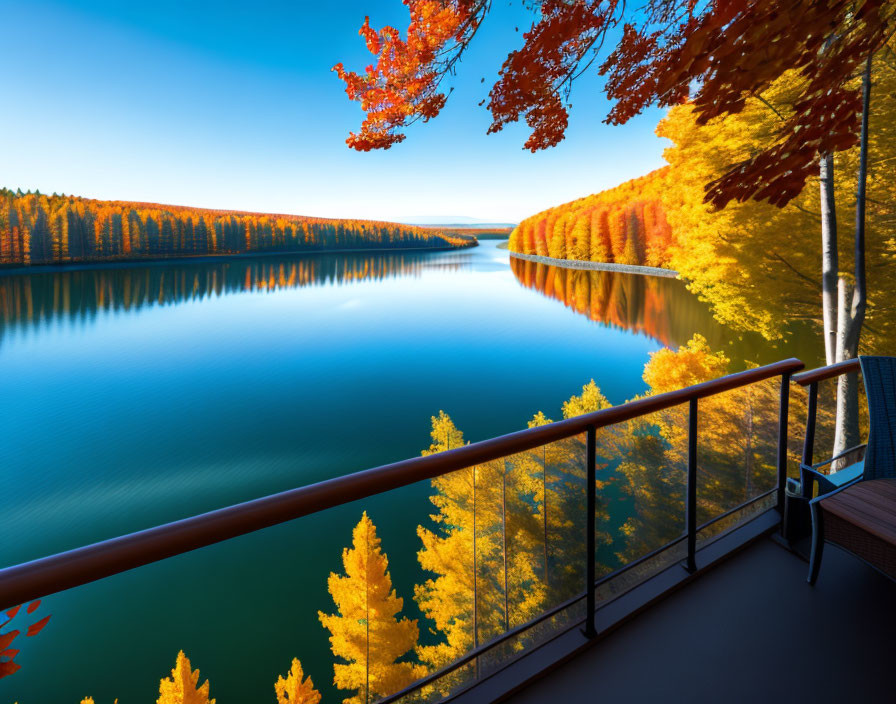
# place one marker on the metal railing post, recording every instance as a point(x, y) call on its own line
point(783, 419)
point(590, 538)
point(691, 503)
point(811, 416)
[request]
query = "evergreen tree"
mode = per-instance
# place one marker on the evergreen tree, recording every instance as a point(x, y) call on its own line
point(484, 554)
point(182, 686)
point(366, 632)
point(294, 689)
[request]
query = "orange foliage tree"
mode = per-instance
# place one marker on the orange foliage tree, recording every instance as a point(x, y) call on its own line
point(622, 225)
point(668, 51)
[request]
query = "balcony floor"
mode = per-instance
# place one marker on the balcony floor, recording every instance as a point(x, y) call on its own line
point(750, 630)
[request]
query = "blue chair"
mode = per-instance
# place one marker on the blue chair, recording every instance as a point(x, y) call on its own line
point(856, 530)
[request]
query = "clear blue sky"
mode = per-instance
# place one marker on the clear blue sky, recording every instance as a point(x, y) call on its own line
point(232, 105)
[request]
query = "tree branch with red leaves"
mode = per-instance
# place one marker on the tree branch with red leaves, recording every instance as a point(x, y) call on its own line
point(715, 54)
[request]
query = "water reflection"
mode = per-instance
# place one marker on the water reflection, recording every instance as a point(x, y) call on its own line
point(661, 308)
point(33, 299)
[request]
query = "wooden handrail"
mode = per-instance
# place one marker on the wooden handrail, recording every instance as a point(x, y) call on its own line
point(813, 376)
point(48, 575)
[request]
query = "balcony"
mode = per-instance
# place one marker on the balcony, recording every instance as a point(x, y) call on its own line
point(705, 600)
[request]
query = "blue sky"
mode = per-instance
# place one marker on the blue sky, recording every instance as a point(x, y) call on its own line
point(232, 105)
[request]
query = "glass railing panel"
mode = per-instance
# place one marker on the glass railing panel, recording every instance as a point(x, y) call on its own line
point(241, 610)
point(737, 447)
point(645, 498)
point(518, 644)
point(504, 546)
point(251, 599)
point(735, 518)
point(469, 556)
point(825, 420)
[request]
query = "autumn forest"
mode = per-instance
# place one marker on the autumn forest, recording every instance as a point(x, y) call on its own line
point(39, 229)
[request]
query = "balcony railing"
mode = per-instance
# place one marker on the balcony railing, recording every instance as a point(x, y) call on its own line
point(701, 523)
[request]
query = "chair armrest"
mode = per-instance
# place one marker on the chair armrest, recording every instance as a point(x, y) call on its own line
point(809, 475)
point(825, 485)
point(837, 457)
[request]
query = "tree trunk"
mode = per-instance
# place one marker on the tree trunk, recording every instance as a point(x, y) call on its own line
point(846, 431)
point(852, 298)
point(829, 257)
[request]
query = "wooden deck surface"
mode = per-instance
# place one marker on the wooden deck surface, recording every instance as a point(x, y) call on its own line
point(749, 631)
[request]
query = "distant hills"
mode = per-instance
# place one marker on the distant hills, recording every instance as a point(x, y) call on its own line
point(457, 222)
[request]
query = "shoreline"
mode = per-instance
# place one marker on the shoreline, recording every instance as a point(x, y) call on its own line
point(597, 266)
point(14, 269)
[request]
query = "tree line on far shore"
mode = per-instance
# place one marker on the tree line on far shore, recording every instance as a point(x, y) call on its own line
point(56, 229)
point(623, 225)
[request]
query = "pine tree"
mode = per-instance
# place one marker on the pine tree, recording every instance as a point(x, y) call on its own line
point(557, 241)
point(581, 238)
point(181, 687)
point(600, 236)
point(367, 632)
point(483, 553)
point(293, 689)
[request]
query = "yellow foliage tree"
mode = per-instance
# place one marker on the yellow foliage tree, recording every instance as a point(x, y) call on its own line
point(181, 687)
point(653, 449)
point(590, 400)
point(691, 364)
point(295, 690)
point(737, 257)
point(760, 266)
point(481, 553)
point(449, 599)
point(366, 632)
point(737, 446)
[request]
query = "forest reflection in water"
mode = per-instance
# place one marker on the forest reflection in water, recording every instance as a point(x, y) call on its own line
point(661, 308)
point(36, 298)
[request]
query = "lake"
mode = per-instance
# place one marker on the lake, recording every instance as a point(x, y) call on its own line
point(137, 395)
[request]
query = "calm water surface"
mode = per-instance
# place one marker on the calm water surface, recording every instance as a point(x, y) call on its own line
point(133, 396)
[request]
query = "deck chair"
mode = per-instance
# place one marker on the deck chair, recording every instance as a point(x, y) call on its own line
point(858, 510)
